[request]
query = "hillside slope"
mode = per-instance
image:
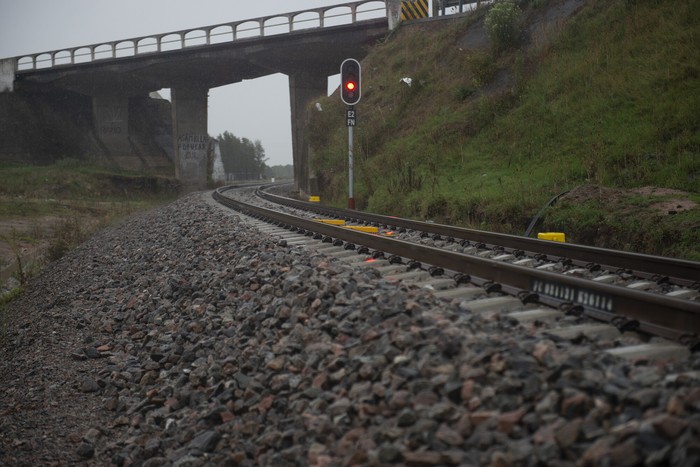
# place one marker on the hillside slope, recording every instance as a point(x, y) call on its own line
point(598, 99)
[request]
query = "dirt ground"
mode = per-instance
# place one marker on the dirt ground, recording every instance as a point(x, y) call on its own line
point(29, 238)
point(674, 202)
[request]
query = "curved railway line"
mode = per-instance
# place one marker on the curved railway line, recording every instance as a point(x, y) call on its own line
point(654, 295)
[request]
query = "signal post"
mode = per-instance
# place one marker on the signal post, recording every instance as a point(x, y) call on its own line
point(350, 93)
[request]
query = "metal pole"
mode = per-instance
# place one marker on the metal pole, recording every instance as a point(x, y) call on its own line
point(351, 195)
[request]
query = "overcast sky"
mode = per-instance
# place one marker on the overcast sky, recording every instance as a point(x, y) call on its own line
point(30, 26)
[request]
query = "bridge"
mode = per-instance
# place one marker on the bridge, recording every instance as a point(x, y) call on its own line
point(307, 46)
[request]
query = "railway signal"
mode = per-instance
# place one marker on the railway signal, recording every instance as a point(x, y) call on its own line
point(351, 81)
point(350, 93)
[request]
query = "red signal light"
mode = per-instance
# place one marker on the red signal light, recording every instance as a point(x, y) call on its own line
point(350, 78)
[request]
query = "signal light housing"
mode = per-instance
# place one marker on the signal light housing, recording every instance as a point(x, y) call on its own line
point(350, 81)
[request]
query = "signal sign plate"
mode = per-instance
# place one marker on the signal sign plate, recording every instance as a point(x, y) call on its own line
point(351, 117)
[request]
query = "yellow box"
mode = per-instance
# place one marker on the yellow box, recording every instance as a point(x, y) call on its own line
point(553, 236)
point(315, 199)
point(363, 228)
point(331, 221)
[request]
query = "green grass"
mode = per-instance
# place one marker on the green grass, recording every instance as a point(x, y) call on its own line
point(51, 209)
point(76, 181)
point(485, 139)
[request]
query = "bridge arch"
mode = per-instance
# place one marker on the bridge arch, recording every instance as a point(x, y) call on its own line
point(62, 57)
point(125, 48)
point(337, 15)
point(82, 55)
point(146, 45)
point(221, 34)
point(43, 60)
point(170, 41)
point(102, 51)
point(370, 9)
point(278, 24)
point(26, 63)
point(246, 29)
point(195, 37)
point(306, 20)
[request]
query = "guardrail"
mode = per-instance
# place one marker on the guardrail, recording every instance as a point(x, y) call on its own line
point(461, 6)
point(318, 18)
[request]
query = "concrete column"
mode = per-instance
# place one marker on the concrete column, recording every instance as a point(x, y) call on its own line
point(303, 89)
point(7, 74)
point(190, 137)
point(111, 121)
point(393, 13)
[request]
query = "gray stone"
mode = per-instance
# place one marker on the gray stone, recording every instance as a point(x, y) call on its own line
point(388, 453)
point(406, 417)
point(88, 384)
point(205, 442)
point(86, 451)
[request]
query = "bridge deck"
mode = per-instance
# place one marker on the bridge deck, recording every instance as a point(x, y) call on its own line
point(278, 24)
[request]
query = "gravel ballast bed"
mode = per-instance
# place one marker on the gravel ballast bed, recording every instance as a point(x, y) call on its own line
point(186, 337)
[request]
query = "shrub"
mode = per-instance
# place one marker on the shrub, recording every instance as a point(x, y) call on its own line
point(503, 24)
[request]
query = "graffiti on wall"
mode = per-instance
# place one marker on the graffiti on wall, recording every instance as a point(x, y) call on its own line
point(111, 119)
point(192, 152)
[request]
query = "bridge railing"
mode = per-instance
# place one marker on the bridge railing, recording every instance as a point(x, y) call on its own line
point(331, 15)
point(445, 7)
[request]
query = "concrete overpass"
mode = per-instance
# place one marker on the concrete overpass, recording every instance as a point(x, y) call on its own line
point(308, 46)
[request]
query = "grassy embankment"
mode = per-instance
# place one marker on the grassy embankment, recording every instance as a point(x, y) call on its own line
point(46, 210)
point(485, 138)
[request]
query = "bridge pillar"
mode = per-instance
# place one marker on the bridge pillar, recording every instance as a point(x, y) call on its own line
point(303, 89)
point(7, 74)
point(393, 13)
point(190, 137)
point(111, 122)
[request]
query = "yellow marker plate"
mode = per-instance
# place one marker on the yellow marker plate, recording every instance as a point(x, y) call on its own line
point(331, 221)
point(553, 236)
point(363, 228)
point(315, 199)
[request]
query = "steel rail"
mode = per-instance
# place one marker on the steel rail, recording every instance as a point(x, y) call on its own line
point(682, 272)
point(596, 299)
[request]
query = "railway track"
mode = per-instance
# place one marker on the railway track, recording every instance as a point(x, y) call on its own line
point(537, 280)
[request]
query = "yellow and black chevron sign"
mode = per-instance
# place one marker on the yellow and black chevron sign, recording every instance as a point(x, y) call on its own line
point(414, 9)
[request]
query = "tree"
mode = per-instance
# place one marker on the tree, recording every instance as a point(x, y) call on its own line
point(243, 159)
